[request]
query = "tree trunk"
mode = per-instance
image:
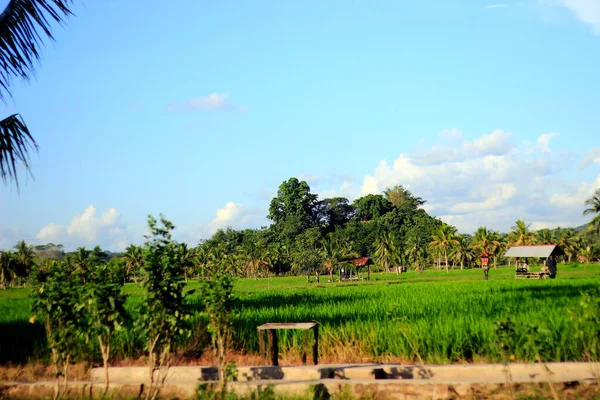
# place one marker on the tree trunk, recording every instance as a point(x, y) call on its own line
point(446, 258)
point(462, 264)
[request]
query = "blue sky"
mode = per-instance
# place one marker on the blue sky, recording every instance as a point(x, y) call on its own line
point(489, 110)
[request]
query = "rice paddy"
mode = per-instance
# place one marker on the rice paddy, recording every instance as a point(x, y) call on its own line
point(434, 317)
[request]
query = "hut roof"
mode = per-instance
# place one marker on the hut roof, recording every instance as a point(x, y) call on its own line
point(535, 251)
point(361, 262)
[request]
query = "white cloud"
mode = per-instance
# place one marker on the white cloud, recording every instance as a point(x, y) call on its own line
point(492, 197)
point(212, 102)
point(544, 141)
point(492, 6)
point(87, 229)
point(576, 197)
point(492, 180)
point(586, 11)
point(590, 157)
point(232, 215)
point(496, 143)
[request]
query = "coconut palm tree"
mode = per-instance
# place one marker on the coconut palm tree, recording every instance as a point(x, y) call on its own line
point(521, 235)
point(416, 254)
point(82, 261)
point(593, 207)
point(24, 256)
point(443, 240)
point(569, 242)
point(400, 196)
point(335, 252)
point(386, 251)
point(134, 261)
point(544, 236)
point(23, 25)
point(186, 259)
point(8, 271)
point(461, 252)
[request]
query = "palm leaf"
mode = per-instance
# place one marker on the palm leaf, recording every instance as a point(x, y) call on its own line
point(20, 40)
point(15, 145)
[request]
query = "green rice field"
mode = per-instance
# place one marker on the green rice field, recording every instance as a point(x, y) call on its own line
point(435, 316)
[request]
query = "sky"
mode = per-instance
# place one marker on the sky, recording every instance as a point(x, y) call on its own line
point(200, 110)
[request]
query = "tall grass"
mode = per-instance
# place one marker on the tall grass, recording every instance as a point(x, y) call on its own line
point(442, 317)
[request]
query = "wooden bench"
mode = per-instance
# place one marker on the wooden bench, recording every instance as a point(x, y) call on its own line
point(273, 342)
point(531, 275)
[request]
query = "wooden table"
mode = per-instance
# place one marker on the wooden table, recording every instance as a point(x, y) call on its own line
point(272, 329)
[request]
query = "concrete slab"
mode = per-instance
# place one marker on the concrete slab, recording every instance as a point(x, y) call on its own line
point(468, 373)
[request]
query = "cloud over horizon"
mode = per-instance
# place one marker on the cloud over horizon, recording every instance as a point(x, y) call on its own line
point(87, 229)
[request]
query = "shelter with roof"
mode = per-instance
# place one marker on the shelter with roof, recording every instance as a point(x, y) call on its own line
point(360, 263)
point(533, 251)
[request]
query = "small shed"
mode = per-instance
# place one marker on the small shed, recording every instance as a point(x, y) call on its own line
point(533, 251)
point(362, 262)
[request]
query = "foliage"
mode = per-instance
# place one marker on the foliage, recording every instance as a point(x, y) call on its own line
point(56, 303)
point(449, 317)
point(219, 304)
point(20, 40)
point(292, 210)
point(163, 317)
point(103, 304)
point(386, 251)
point(371, 206)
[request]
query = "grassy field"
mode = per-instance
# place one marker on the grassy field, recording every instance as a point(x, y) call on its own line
point(435, 316)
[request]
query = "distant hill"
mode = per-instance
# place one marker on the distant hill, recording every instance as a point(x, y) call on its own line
point(50, 250)
point(580, 228)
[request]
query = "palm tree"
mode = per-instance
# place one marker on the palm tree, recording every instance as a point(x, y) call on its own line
point(461, 253)
point(251, 257)
point(186, 259)
point(23, 24)
point(443, 239)
point(544, 236)
point(24, 257)
point(8, 271)
point(400, 196)
point(415, 252)
point(521, 235)
point(495, 246)
point(134, 260)
point(386, 251)
point(82, 260)
point(201, 260)
point(593, 207)
point(569, 242)
point(334, 252)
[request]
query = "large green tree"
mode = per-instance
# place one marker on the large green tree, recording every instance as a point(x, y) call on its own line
point(334, 212)
point(293, 209)
point(23, 26)
point(371, 206)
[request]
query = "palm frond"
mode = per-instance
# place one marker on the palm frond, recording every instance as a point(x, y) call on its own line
point(20, 39)
point(15, 145)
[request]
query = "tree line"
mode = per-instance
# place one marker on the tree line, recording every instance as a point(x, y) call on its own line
point(310, 237)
